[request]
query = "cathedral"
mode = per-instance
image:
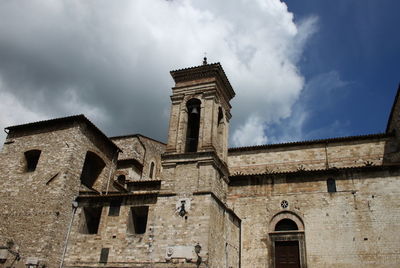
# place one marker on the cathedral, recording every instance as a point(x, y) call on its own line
point(72, 197)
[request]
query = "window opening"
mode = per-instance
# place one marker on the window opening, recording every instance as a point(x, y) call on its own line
point(121, 179)
point(90, 220)
point(220, 115)
point(193, 127)
point(137, 221)
point(151, 170)
point(91, 169)
point(331, 184)
point(32, 159)
point(114, 209)
point(104, 255)
point(286, 225)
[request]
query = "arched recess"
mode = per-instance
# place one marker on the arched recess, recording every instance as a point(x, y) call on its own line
point(287, 241)
point(193, 125)
point(152, 170)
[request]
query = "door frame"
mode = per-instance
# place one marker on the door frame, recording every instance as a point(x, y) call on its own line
point(288, 236)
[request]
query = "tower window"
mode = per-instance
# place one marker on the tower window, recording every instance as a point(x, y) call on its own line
point(121, 179)
point(32, 159)
point(91, 169)
point(90, 220)
point(331, 184)
point(193, 126)
point(151, 170)
point(137, 221)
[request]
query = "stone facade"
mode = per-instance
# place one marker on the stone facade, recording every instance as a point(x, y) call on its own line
point(72, 197)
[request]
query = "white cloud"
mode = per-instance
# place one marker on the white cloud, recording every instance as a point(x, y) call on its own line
point(252, 132)
point(113, 58)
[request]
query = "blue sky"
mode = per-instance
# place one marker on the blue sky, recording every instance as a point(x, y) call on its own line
point(301, 70)
point(358, 43)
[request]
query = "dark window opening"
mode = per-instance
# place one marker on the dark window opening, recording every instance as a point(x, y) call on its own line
point(193, 126)
point(114, 208)
point(331, 184)
point(220, 115)
point(91, 169)
point(121, 179)
point(90, 220)
point(32, 159)
point(104, 255)
point(286, 225)
point(151, 170)
point(138, 220)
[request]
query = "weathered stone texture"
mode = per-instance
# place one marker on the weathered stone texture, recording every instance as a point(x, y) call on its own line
point(316, 156)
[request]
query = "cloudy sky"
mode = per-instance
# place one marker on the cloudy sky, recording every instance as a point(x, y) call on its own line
point(301, 69)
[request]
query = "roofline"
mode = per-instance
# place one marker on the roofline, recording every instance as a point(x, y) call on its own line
point(186, 74)
point(135, 135)
point(396, 99)
point(310, 142)
point(318, 171)
point(72, 118)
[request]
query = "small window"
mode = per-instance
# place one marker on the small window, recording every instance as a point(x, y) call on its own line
point(137, 221)
point(32, 159)
point(331, 184)
point(121, 179)
point(92, 168)
point(114, 208)
point(90, 220)
point(104, 255)
point(151, 170)
point(286, 225)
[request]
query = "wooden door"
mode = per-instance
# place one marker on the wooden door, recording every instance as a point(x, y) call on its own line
point(287, 254)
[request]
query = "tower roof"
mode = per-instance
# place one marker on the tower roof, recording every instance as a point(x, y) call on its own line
point(204, 71)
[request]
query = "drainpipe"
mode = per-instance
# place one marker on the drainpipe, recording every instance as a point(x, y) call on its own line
point(74, 207)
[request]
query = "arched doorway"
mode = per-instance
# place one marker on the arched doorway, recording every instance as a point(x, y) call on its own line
point(287, 246)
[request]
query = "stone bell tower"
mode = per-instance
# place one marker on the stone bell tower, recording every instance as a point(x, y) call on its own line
point(195, 175)
point(199, 124)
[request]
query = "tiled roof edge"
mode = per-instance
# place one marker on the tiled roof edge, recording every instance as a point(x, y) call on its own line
point(297, 143)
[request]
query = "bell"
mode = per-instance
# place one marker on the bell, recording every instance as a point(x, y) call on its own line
point(194, 111)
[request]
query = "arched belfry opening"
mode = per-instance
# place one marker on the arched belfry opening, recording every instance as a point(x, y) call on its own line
point(193, 125)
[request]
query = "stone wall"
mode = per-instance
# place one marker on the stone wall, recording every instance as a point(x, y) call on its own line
point(275, 159)
point(353, 227)
point(36, 206)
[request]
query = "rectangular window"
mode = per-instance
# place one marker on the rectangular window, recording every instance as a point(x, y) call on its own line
point(137, 221)
point(114, 208)
point(90, 220)
point(32, 159)
point(331, 184)
point(104, 255)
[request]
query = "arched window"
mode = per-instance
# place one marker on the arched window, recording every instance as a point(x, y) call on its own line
point(286, 225)
point(91, 169)
point(32, 158)
point(151, 173)
point(193, 126)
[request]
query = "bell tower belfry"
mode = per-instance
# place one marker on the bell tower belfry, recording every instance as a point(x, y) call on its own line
point(200, 111)
point(195, 174)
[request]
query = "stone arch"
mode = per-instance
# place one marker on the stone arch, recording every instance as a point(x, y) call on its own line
point(286, 215)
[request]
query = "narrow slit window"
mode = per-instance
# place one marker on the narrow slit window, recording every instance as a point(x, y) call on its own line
point(137, 221)
point(151, 170)
point(32, 159)
point(114, 209)
point(331, 184)
point(104, 255)
point(90, 220)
